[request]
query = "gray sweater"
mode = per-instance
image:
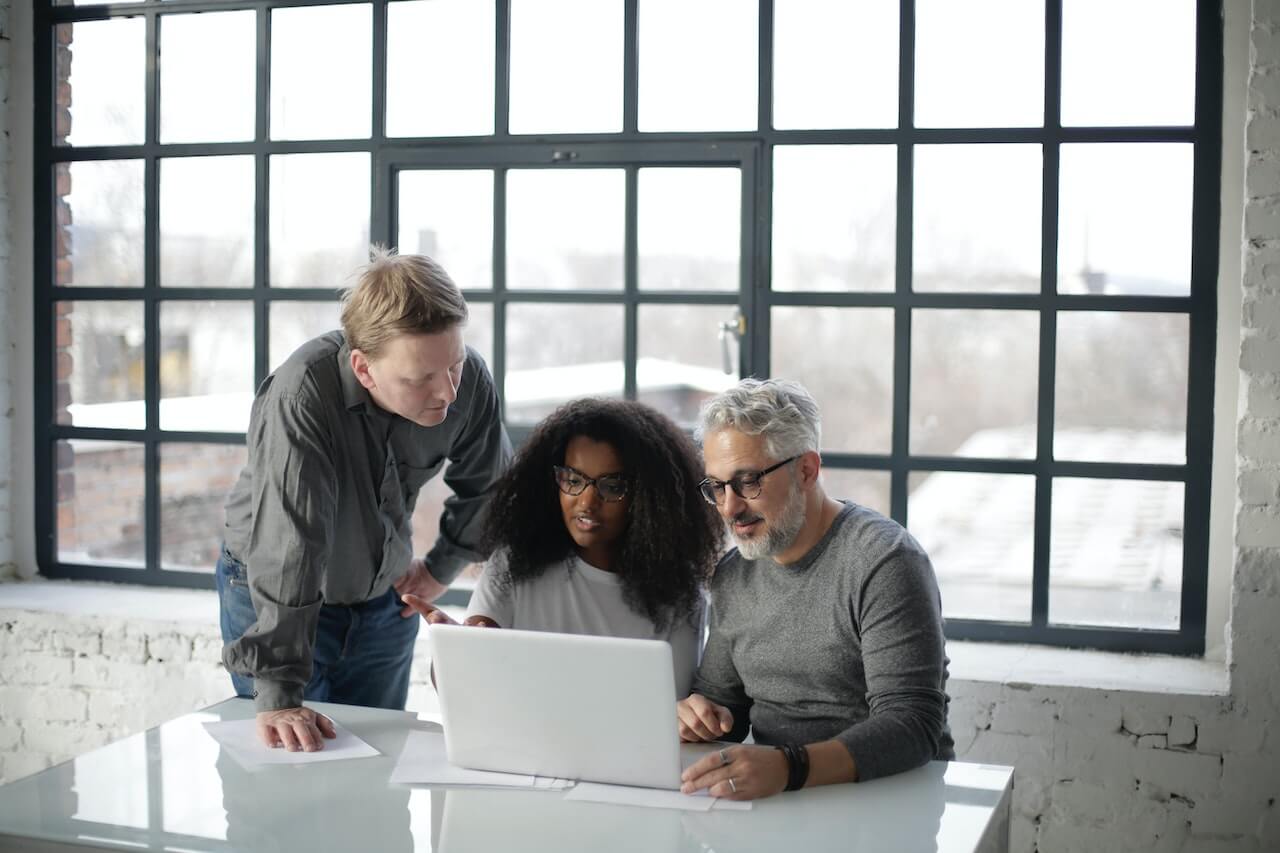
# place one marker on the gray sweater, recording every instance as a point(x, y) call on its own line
point(845, 643)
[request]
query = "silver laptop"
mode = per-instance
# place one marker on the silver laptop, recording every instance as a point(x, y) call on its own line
point(599, 709)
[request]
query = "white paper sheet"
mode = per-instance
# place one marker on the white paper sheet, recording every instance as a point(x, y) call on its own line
point(731, 805)
point(423, 761)
point(627, 795)
point(240, 740)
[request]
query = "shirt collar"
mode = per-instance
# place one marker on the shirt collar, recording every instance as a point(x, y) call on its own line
point(354, 395)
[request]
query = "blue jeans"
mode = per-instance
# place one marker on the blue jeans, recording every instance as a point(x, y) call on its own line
point(362, 652)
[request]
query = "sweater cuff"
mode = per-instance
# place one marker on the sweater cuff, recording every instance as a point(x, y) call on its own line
point(275, 695)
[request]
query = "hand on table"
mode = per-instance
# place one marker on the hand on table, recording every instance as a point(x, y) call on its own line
point(700, 719)
point(295, 729)
point(419, 583)
point(738, 773)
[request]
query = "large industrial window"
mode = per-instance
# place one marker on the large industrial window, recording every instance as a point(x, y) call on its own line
point(984, 234)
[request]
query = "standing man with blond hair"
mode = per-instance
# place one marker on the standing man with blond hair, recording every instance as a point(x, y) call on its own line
point(317, 548)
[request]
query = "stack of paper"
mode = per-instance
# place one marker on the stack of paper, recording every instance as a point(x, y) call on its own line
point(629, 795)
point(423, 761)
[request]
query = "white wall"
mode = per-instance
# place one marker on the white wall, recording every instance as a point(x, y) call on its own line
point(1098, 770)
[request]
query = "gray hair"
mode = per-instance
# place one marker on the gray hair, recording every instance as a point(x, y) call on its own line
point(783, 412)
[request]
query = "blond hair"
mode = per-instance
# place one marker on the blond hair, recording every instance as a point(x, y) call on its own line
point(399, 294)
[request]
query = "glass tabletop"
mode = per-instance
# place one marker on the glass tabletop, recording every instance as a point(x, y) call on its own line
point(172, 788)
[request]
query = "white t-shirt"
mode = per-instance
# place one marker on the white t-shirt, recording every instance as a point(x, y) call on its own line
point(573, 597)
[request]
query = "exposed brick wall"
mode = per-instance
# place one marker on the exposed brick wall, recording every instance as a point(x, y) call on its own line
point(69, 684)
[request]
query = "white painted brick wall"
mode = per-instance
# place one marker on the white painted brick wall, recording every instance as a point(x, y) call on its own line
point(71, 683)
point(68, 684)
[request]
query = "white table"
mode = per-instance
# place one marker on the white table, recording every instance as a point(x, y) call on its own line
point(170, 789)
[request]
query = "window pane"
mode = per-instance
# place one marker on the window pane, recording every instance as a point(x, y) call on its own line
point(1108, 80)
point(978, 530)
point(206, 221)
point(689, 228)
point(834, 217)
point(426, 525)
point(99, 237)
point(566, 78)
point(208, 76)
point(820, 42)
point(977, 218)
point(979, 64)
point(440, 68)
point(1121, 387)
point(321, 72)
point(479, 331)
point(1125, 220)
point(973, 383)
point(682, 357)
point(99, 365)
point(206, 366)
point(100, 503)
point(565, 229)
point(1115, 553)
point(292, 324)
point(698, 65)
point(869, 488)
point(319, 218)
point(101, 76)
point(557, 353)
point(195, 480)
point(448, 214)
point(855, 389)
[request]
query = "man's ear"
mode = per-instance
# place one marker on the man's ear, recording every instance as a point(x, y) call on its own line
point(808, 466)
point(360, 367)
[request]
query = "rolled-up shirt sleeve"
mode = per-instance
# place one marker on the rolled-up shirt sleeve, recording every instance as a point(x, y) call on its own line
point(904, 659)
point(477, 459)
point(294, 507)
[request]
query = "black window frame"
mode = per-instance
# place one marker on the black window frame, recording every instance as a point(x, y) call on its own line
point(630, 149)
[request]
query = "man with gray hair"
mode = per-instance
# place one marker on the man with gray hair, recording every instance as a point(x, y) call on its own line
point(826, 623)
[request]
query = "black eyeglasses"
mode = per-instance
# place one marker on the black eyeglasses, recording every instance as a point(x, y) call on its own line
point(746, 485)
point(611, 487)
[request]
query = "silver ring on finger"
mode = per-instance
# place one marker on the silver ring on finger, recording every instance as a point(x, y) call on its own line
point(732, 786)
point(724, 758)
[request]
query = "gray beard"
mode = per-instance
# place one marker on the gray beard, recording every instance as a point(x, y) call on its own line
point(780, 534)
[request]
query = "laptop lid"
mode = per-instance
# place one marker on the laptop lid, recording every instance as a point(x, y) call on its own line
point(600, 709)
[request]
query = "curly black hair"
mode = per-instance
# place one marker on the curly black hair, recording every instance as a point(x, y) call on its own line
point(672, 537)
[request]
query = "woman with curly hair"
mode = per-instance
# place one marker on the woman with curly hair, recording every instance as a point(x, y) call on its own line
point(598, 527)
